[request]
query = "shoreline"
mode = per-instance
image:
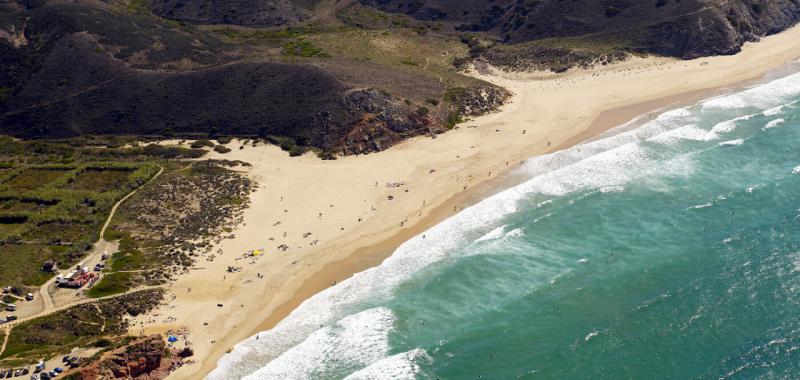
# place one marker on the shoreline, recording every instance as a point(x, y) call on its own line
point(369, 256)
point(373, 255)
point(360, 247)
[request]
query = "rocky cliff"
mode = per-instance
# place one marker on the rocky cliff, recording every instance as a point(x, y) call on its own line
point(680, 28)
point(146, 358)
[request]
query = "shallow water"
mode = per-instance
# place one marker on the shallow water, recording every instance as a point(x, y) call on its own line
point(671, 250)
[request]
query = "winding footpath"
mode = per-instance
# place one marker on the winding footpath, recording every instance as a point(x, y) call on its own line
point(102, 245)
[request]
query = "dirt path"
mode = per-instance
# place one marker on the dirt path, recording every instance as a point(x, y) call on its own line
point(101, 246)
point(5, 340)
point(10, 325)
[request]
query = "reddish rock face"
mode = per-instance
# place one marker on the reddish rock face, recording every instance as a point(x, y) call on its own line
point(140, 360)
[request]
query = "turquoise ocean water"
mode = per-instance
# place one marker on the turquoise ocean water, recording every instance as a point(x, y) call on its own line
point(669, 250)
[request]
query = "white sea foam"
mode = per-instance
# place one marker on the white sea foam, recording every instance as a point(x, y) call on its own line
point(515, 233)
point(396, 367)
point(688, 132)
point(493, 234)
point(612, 189)
point(732, 142)
point(591, 335)
point(692, 132)
point(774, 123)
point(774, 111)
point(796, 170)
point(583, 261)
point(777, 110)
point(728, 126)
point(754, 187)
point(704, 205)
point(765, 96)
point(356, 341)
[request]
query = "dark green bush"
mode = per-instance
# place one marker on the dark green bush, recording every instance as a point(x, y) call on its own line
point(197, 144)
point(221, 149)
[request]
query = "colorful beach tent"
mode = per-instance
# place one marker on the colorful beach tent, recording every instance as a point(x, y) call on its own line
point(172, 339)
point(258, 252)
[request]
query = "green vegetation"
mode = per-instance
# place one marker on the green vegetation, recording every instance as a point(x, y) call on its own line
point(22, 264)
point(303, 48)
point(292, 32)
point(202, 143)
point(79, 194)
point(51, 211)
point(452, 94)
point(287, 144)
point(453, 118)
point(262, 34)
point(102, 342)
point(112, 283)
point(119, 278)
point(138, 7)
point(112, 234)
point(221, 149)
point(128, 258)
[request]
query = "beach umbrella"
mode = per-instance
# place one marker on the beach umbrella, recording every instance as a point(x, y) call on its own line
point(172, 339)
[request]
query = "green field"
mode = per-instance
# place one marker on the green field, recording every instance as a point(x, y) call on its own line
point(54, 197)
point(22, 263)
point(34, 178)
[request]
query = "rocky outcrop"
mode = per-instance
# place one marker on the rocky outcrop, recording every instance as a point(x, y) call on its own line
point(145, 359)
point(478, 101)
point(555, 59)
point(384, 121)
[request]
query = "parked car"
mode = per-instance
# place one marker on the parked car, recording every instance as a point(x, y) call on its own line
point(11, 318)
point(29, 296)
point(58, 370)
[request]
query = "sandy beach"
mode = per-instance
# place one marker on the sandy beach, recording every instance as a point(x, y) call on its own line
point(319, 222)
